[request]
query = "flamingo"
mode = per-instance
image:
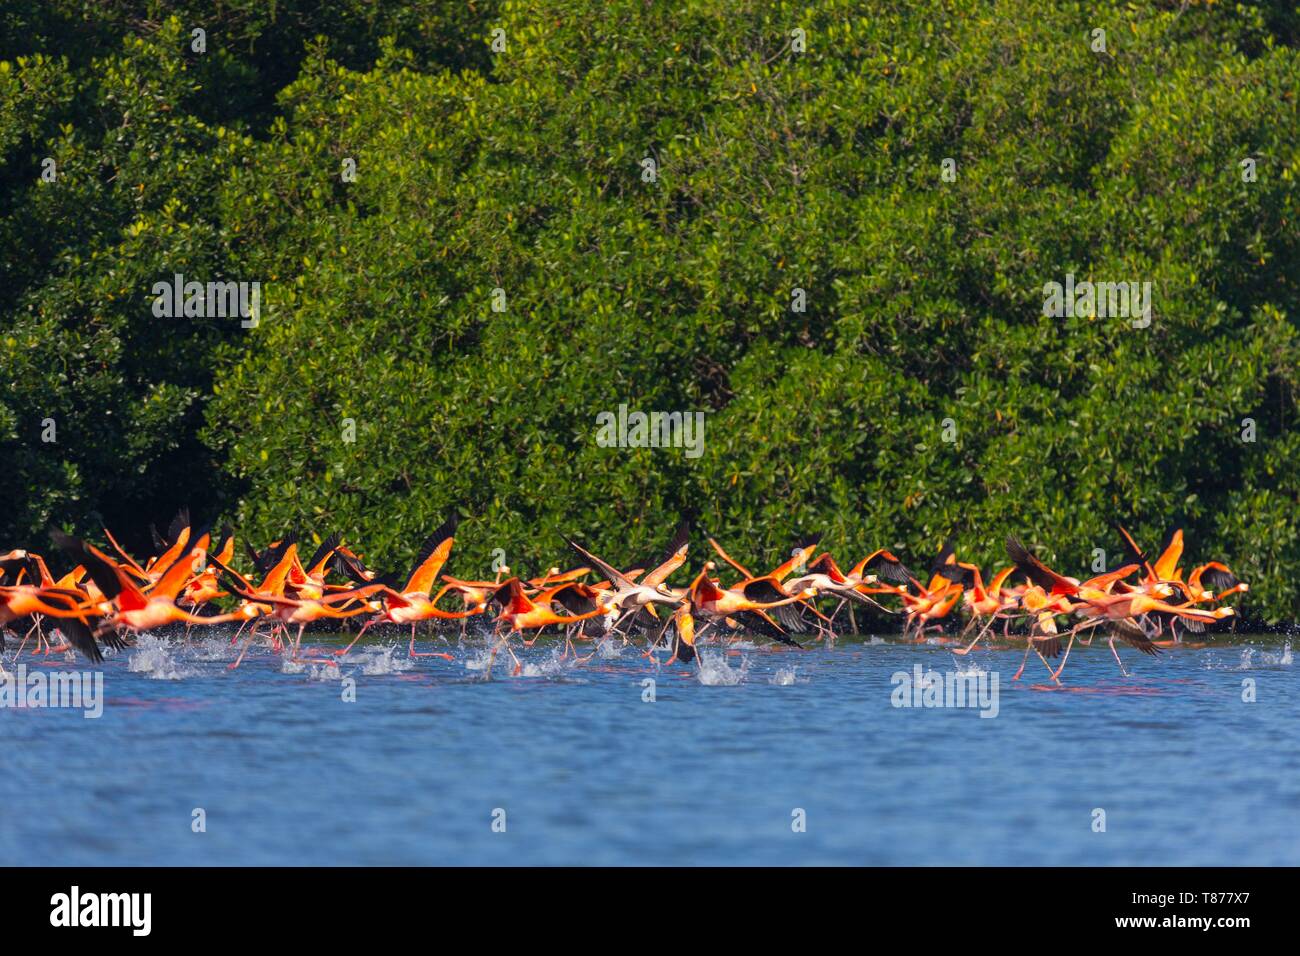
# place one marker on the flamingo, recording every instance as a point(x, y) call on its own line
point(411, 603)
point(520, 613)
point(303, 612)
point(715, 603)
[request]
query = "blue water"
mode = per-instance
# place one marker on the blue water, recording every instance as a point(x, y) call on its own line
point(712, 771)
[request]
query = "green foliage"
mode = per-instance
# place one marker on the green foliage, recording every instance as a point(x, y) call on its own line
point(144, 133)
point(775, 170)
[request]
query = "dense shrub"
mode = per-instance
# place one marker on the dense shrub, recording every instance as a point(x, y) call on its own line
point(521, 171)
point(143, 132)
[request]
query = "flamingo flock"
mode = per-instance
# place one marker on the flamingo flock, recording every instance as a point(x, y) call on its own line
point(108, 597)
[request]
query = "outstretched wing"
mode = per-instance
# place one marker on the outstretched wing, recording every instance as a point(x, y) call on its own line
point(886, 567)
point(1035, 570)
point(433, 555)
point(613, 574)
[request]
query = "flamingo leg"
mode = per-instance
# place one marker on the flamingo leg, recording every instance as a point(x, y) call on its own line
point(42, 646)
point(297, 641)
point(839, 607)
point(1117, 660)
point(1065, 657)
point(1046, 664)
point(363, 630)
point(243, 650)
point(658, 637)
point(963, 651)
point(1029, 644)
point(24, 643)
point(414, 653)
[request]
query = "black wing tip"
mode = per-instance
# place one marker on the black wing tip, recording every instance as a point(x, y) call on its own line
point(114, 640)
point(258, 559)
point(350, 568)
point(680, 539)
point(80, 637)
point(823, 560)
point(890, 569)
point(1220, 580)
point(448, 528)
point(227, 533)
point(808, 540)
point(326, 546)
point(955, 573)
point(946, 551)
point(178, 524)
point(273, 556)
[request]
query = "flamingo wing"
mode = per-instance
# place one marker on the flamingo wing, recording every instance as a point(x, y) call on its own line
point(433, 555)
point(613, 574)
point(729, 559)
point(1036, 571)
point(1167, 563)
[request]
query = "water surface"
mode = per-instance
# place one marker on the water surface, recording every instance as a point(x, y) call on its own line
point(582, 769)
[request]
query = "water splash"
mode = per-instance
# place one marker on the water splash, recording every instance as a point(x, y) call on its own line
point(326, 671)
point(480, 660)
point(551, 666)
point(608, 650)
point(1253, 658)
point(157, 658)
point(785, 676)
point(714, 671)
point(212, 649)
point(380, 660)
